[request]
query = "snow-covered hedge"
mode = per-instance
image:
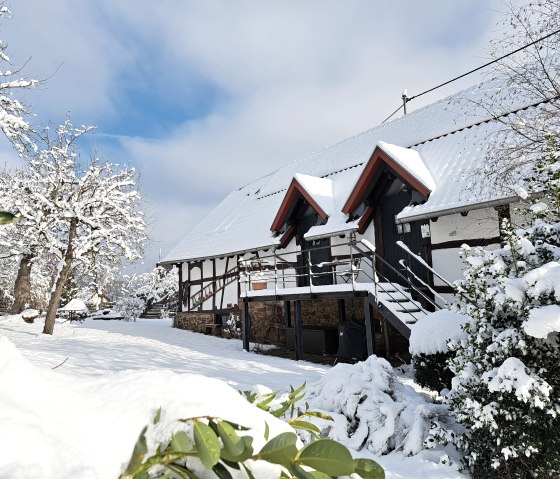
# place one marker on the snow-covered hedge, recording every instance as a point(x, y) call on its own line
point(506, 388)
point(429, 346)
point(372, 409)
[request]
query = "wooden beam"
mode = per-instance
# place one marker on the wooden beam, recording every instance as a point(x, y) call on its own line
point(474, 242)
point(246, 324)
point(341, 310)
point(298, 331)
point(287, 314)
point(214, 283)
point(181, 288)
point(370, 327)
point(225, 279)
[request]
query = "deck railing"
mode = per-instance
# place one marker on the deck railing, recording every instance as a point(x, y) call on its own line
point(353, 262)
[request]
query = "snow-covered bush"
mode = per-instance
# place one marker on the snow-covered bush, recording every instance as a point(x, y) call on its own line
point(195, 446)
point(130, 307)
point(429, 347)
point(506, 389)
point(372, 409)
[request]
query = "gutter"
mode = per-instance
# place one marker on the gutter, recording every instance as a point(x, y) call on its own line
point(456, 209)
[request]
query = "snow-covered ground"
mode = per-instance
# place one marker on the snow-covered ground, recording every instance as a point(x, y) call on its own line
point(82, 419)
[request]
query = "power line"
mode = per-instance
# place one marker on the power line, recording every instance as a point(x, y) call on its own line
point(474, 70)
point(391, 115)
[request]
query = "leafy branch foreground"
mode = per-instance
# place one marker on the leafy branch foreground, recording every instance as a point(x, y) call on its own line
point(220, 446)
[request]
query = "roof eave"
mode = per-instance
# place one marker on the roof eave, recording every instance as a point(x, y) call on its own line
point(456, 209)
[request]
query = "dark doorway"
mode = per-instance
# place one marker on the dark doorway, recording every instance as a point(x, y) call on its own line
point(387, 234)
point(319, 252)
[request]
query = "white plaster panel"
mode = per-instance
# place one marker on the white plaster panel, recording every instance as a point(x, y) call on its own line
point(481, 223)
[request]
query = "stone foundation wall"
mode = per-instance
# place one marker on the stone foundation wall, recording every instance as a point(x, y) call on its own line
point(193, 321)
point(267, 323)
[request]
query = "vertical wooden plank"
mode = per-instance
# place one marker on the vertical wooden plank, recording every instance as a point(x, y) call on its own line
point(341, 310)
point(223, 283)
point(189, 288)
point(370, 327)
point(298, 331)
point(287, 314)
point(214, 284)
point(245, 325)
point(181, 288)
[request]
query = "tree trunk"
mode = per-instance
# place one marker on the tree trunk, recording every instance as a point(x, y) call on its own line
point(22, 286)
point(56, 294)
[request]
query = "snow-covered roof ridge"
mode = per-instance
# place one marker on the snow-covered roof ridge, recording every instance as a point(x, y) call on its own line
point(411, 161)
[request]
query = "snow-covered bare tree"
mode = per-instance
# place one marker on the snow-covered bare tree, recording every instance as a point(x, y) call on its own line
point(154, 286)
point(77, 212)
point(13, 113)
point(530, 78)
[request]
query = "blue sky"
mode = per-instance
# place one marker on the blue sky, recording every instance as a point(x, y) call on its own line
point(203, 96)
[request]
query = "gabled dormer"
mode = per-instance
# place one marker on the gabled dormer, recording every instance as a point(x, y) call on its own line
point(308, 201)
point(390, 168)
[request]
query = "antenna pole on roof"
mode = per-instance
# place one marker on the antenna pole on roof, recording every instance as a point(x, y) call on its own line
point(405, 99)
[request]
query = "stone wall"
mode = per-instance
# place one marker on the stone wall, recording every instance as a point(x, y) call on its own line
point(193, 321)
point(267, 322)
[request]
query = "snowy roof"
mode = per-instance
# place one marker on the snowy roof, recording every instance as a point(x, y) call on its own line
point(441, 145)
point(75, 305)
point(411, 161)
point(320, 189)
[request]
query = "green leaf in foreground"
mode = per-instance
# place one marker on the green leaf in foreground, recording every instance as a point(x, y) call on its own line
point(140, 449)
point(246, 454)
point(207, 444)
point(280, 449)
point(181, 442)
point(306, 426)
point(221, 471)
point(232, 442)
point(369, 469)
point(327, 456)
point(6, 217)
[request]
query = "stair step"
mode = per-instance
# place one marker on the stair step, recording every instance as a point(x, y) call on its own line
point(417, 310)
point(398, 300)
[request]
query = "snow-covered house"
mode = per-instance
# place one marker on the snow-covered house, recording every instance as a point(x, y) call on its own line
point(365, 230)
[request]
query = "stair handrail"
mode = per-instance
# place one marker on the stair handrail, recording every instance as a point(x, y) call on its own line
point(371, 247)
point(423, 263)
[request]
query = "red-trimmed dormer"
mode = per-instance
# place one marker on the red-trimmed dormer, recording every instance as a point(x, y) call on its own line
point(387, 166)
point(303, 193)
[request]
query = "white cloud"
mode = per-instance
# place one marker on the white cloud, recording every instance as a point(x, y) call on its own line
point(293, 76)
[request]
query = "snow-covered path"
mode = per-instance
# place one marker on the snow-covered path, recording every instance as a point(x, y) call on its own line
point(96, 347)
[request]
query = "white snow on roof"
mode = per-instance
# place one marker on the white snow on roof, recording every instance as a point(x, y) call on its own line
point(75, 305)
point(320, 189)
point(450, 136)
point(411, 161)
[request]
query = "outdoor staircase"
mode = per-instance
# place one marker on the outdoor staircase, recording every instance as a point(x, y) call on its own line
point(213, 288)
point(398, 307)
point(153, 312)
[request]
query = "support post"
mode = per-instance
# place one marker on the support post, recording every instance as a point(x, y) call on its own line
point(287, 314)
point(181, 288)
point(370, 327)
point(246, 325)
point(341, 310)
point(298, 331)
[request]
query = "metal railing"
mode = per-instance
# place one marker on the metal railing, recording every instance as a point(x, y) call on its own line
point(352, 263)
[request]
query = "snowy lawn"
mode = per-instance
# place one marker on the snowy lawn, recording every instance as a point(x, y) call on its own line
point(82, 419)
